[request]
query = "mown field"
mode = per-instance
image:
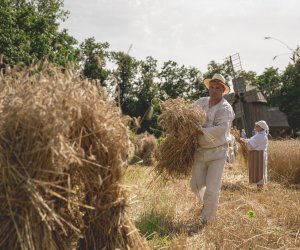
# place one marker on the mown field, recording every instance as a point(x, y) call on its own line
point(167, 213)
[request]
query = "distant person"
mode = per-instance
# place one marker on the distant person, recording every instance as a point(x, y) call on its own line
point(210, 157)
point(257, 156)
point(243, 134)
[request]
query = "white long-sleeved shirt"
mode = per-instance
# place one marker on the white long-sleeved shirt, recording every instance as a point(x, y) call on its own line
point(258, 142)
point(218, 123)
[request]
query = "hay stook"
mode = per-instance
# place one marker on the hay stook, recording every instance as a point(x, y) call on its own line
point(63, 152)
point(145, 147)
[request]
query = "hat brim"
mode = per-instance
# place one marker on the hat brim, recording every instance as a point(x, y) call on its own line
point(207, 81)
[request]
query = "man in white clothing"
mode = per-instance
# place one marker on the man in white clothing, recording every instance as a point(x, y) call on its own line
point(210, 157)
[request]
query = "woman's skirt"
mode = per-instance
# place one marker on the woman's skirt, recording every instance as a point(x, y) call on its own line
point(257, 165)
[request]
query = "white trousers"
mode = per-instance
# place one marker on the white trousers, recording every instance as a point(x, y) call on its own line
point(206, 180)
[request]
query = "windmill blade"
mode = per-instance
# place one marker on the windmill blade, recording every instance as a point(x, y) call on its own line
point(130, 47)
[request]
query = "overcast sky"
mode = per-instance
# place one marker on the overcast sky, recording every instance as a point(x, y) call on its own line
point(191, 32)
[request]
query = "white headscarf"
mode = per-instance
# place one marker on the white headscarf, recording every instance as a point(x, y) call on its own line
point(263, 125)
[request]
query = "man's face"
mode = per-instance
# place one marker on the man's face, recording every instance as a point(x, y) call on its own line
point(216, 89)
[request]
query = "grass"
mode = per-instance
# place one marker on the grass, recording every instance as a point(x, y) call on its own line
point(167, 214)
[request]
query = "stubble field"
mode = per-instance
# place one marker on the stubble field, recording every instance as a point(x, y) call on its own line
point(167, 213)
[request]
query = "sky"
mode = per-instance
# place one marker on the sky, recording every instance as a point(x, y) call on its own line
point(191, 32)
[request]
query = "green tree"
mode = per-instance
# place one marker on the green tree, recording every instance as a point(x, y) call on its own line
point(124, 76)
point(142, 101)
point(63, 50)
point(94, 57)
point(196, 88)
point(269, 82)
point(289, 94)
point(179, 81)
point(29, 32)
point(250, 77)
point(144, 88)
point(221, 68)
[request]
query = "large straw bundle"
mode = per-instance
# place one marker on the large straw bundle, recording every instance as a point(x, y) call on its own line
point(38, 208)
point(243, 147)
point(63, 148)
point(180, 120)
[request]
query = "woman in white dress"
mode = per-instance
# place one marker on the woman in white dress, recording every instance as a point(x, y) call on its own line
point(257, 154)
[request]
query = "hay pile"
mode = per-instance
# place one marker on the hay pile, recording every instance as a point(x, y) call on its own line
point(145, 145)
point(180, 120)
point(63, 149)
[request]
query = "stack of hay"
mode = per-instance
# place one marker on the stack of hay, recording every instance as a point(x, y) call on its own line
point(63, 149)
point(145, 145)
point(180, 120)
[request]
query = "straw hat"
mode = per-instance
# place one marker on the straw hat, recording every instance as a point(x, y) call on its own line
point(263, 125)
point(221, 79)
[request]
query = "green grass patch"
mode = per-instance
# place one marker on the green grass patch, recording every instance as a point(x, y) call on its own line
point(157, 228)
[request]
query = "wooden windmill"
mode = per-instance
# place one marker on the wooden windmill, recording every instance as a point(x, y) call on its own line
point(248, 102)
point(239, 88)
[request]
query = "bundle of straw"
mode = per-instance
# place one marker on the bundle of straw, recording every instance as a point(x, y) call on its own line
point(63, 149)
point(37, 203)
point(101, 133)
point(236, 133)
point(180, 120)
point(145, 147)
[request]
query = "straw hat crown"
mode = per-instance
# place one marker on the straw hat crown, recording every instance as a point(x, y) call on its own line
point(220, 78)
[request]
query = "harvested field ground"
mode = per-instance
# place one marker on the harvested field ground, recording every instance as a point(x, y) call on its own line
point(168, 213)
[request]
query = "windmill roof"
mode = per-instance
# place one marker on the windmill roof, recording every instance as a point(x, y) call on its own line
point(252, 94)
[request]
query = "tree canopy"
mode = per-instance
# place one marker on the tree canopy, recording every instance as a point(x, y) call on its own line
point(290, 94)
point(30, 32)
point(94, 56)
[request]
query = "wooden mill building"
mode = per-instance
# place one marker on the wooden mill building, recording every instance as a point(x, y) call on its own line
point(250, 106)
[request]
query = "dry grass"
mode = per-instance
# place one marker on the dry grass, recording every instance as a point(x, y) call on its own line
point(168, 213)
point(63, 151)
point(180, 121)
point(284, 160)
